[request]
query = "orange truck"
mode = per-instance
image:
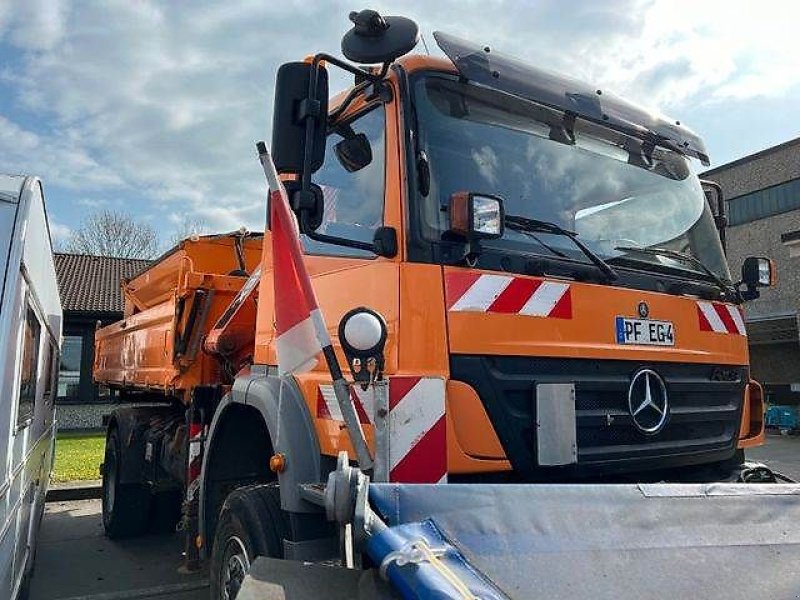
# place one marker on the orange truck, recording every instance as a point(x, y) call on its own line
point(523, 273)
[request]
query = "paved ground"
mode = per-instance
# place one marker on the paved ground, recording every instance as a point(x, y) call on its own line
point(781, 453)
point(76, 561)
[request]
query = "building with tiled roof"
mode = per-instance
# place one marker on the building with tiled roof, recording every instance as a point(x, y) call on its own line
point(91, 291)
point(92, 284)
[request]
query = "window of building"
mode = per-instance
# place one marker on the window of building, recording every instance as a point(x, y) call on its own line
point(353, 200)
point(30, 367)
point(69, 374)
point(764, 203)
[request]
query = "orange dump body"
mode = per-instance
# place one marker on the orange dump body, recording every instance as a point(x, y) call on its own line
point(169, 309)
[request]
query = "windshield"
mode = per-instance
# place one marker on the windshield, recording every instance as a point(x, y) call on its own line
point(610, 188)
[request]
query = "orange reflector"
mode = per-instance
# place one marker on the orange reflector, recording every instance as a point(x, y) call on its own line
point(277, 463)
point(198, 541)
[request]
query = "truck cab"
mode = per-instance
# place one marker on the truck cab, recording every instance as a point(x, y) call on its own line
point(553, 258)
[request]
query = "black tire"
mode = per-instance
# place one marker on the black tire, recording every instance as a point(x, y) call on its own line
point(126, 506)
point(166, 507)
point(251, 523)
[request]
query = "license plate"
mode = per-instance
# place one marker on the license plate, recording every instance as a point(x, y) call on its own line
point(645, 332)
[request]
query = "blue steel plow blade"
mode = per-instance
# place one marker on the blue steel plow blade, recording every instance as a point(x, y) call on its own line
point(595, 541)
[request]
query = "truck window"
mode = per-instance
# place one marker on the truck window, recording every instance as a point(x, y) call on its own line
point(353, 199)
point(29, 368)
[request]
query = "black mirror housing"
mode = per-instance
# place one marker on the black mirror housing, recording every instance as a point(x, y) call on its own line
point(292, 108)
point(378, 39)
point(758, 271)
point(385, 241)
point(354, 153)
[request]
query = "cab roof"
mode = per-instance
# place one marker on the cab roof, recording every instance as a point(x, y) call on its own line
point(482, 65)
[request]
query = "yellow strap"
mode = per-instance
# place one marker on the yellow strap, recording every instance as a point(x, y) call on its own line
point(445, 571)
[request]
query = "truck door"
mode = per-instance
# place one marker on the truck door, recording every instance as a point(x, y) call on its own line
point(355, 206)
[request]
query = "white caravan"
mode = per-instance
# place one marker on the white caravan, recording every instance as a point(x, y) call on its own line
point(30, 335)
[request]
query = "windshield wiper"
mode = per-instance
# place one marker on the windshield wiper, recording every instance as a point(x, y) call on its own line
point(536, 239)
point(525, 224)
point(727, 290)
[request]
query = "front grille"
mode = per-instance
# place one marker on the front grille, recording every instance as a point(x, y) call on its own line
point(704, 418)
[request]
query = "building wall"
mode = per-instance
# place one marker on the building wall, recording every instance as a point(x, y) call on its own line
point(763, 238)
point(775, 364)
point(772, 319)
point(764, 169)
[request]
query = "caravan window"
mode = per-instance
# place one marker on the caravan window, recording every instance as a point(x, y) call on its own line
point(30, 364)
point(51, 372)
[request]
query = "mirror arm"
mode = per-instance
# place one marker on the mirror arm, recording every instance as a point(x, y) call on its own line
point(356, 90)
point(357, 71)
point(339, 241)
point(333, 239)
point(351, 95)
point(313, 120)
point(746, 295)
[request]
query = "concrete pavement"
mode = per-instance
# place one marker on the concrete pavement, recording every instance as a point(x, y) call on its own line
point(781, 453)
point(76, 561)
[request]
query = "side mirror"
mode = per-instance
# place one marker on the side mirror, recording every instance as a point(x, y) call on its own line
point(354, 153)
point(758, 272)
point(476, 216)
point(293, 107)
point(378, 39)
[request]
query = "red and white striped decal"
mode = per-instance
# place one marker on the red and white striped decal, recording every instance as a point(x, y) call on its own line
point(328, 407)
point(417, 430)
point(475, 292)
point(720, 318)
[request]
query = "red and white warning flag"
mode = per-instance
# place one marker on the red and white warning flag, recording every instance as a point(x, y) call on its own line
point(300, 327)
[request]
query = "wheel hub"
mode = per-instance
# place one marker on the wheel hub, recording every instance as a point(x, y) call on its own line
point(109, 484)
point(235, 565)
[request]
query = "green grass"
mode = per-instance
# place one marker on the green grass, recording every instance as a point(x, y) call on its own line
point(78, 456)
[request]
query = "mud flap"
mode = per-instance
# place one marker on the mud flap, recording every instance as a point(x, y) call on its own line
point(276, 579)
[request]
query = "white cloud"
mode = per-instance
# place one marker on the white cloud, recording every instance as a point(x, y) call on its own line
point(165, 101)
point(59, 233)
point(33, 24)
point(63, 157)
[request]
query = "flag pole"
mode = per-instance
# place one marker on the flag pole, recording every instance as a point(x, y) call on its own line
point(340, 386)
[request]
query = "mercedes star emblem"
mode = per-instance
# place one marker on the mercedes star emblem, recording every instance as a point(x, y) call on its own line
point(648, 403)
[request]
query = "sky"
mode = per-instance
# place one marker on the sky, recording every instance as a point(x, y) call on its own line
point(154, 108)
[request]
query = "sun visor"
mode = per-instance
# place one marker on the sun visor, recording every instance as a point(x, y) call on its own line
point(486, 67)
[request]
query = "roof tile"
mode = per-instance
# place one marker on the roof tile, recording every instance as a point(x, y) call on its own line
point(94, 283)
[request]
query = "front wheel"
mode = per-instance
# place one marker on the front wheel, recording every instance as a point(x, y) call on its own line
point(251, 523)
